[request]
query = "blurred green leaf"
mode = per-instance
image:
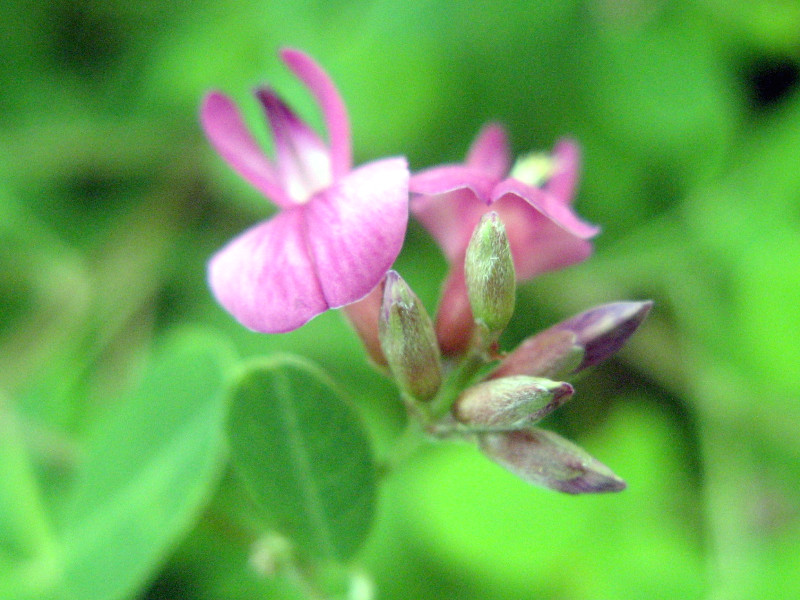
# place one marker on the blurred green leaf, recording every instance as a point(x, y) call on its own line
point(481, 520)
point(148, 469)
point(304, 455)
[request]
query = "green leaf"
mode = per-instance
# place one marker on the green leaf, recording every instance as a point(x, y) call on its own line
point(147, 471)
point(304, 455)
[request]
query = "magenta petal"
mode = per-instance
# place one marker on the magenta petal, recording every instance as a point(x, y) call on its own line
point(538, 244)
point(356, 228)
point(560, 214)
point(440, 180)
point(563, 183)
point(450, 218)
point(489, 152)
point(333, 108)
point(228, 134)
point(303, 161)
point(266, 278)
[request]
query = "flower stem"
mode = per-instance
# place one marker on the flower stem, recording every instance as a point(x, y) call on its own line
point(463, 373)
point(408, 442)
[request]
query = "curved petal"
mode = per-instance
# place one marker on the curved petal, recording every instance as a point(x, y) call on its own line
point(538, 244)
point(303, 160)
point(266, 278)
point(356, 229)
point(228, 134)
point(439, 180)
point(331, 104)
point(560, 214)
point(489, 152)
point(563, 184)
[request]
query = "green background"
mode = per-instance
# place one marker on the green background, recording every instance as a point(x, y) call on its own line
point(111, 202)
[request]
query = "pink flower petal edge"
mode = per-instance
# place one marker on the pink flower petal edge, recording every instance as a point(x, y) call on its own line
point(325, 254)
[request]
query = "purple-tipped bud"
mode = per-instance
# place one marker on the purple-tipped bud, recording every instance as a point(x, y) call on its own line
point(409, 341)
point(551, 353)
point(545, 459)
point(603, 330)
point(489, 273)
point(510, 402)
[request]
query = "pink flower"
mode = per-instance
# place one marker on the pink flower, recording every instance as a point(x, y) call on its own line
point(533, 201)
point(338, 230)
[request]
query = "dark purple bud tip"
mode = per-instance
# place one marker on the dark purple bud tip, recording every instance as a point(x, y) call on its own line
point(603, 330)
point(545, 459)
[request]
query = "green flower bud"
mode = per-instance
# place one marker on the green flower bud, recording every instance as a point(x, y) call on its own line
point(408, 340)
point(545, 459)
point(489, 272)
point(510, 402)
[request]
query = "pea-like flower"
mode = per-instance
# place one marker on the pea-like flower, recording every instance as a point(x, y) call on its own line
point(533, 200)
point(338, 229)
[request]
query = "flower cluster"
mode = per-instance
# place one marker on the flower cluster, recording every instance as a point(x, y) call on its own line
point(338, 231)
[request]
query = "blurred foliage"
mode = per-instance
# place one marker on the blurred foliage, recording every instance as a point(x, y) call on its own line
point(111, 202)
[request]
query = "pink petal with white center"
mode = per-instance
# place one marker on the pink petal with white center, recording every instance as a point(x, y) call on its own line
point(562, 215)
point(302, 159)
point(331, 104)
point(489, 152)
point(266, 278)
point(228, 134)
point(563, 184)
point(356, 229)
point(450, 218)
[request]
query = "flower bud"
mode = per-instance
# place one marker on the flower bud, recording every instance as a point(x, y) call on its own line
point(552, 353)
point(489, 272)
point(545, 459)
point(408, 340)
point(510, 402)
point(603, 330)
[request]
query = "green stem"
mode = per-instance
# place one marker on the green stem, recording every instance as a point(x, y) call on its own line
point(464, 372)
point(410, 440)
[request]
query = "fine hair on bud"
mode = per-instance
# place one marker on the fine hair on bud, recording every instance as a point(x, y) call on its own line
point(489, 273)
point(546, 459)
point(408, 340)
point(510, 402)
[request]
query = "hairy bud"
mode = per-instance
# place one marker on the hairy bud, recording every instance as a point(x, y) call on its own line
point(489, 272)
point(510, 402)
point(408, 340)
point(545, 459)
